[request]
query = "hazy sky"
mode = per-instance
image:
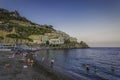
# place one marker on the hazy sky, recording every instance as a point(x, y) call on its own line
point(97, 22)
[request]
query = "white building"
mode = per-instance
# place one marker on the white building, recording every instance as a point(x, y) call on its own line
point(59, 40)
point(54, 41)
point(44, 39)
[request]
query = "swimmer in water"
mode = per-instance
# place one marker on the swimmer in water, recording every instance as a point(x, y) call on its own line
point(87, 67)
point(112, 68)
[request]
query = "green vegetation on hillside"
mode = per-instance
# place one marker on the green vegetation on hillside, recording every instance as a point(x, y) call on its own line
point(7, 24)
point(23, 28)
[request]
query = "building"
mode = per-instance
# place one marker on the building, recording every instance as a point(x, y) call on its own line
point(54, 41)
point(61, 40)
point(44, 39)
point(57, 41)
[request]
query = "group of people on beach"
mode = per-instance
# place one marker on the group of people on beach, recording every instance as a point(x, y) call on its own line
point(26, 56)
point(29, 57)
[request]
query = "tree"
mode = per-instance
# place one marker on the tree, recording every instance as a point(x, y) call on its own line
point(29, 39)
point(83, 44)
point(47, 42)
point(67, 41)
point(13, 36)
point(50, 26)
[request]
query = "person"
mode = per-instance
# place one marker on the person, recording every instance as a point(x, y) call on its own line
point(32, 63)
point(112, 68)
point(52, 62)
point(32, 55)
point(24, 55)
point(13, 55)
point(43, 58)
point(28, 61)
point(87, 67)
point(95, 69)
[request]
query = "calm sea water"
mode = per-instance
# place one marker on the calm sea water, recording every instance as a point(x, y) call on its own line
point(72, 62)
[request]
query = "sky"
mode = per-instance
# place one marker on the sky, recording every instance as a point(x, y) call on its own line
point(97, 22)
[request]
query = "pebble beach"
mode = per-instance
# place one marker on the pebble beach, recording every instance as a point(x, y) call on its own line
point(14, 68)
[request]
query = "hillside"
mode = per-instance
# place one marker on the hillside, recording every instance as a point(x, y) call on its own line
point(23, 27)
point(15, 27)
point(8, 20)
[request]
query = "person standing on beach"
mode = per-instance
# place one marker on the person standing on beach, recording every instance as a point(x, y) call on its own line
point(24, 55)
point(28, 61)
point(13, 55)
point(43, 58)
point(32, 55)
point(32, 63)
point(52, 63)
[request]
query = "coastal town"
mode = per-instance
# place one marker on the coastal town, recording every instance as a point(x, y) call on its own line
point(15, 29)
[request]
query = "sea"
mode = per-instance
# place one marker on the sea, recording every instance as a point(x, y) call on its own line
point(103, 62)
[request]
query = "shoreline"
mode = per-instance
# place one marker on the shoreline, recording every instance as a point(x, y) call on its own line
point(58, 48)
point(50, 71)
point(15, 70)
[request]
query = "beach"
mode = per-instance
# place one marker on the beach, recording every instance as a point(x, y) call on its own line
point(14, 68)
